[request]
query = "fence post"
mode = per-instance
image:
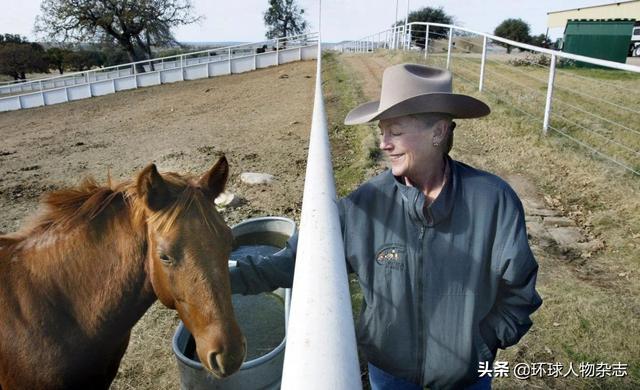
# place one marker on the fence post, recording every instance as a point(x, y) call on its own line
point(393, 38)
point(396, 31)
point(449, 47)
point(229, 56)
point(182, 67)
point(484, 57)
point(277, 51)
point(409, 37)
point(547, 108)
point(426, 43)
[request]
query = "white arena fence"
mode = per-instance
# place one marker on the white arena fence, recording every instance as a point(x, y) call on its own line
point(594, 108)
point(321, 348)
point(190, 66)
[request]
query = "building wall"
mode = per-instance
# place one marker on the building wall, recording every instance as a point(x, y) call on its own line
point(623, 10)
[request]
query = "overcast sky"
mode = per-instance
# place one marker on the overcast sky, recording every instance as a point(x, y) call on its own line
point(242, 20)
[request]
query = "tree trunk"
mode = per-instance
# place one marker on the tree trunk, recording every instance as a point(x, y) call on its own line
point(133, 57)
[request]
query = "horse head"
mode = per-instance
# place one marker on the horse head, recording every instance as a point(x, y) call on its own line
point(189, 246)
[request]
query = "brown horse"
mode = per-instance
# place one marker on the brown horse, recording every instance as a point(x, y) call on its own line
point(75, 281)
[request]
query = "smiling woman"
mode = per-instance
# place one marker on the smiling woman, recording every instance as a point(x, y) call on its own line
point(415, 146)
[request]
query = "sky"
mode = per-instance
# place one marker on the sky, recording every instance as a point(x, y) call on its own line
point(242, 20)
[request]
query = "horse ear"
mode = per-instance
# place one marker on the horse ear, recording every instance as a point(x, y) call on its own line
point(214, 181)
point(153, 189)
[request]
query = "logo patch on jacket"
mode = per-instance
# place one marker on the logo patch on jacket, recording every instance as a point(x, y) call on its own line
point(391, 257)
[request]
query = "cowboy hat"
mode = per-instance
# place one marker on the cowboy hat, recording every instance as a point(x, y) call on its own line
point(413, 89)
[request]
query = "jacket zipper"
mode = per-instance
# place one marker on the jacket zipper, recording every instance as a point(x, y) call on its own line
point(420, 314)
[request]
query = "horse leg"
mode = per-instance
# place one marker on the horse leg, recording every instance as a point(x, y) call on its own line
point(112, 370)
point(102, 379)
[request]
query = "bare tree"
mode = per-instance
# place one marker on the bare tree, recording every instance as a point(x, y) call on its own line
point(284, 18)
point(133, 25)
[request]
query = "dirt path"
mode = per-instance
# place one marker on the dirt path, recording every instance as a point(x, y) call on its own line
point(260, 120)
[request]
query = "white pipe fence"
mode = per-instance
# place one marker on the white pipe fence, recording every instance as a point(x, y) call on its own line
point(190, 66)
point(602, 124)
point(321, 348)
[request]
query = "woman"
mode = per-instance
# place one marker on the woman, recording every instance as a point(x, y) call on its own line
point(440, 248)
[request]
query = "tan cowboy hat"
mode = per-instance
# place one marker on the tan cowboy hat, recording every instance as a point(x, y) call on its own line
point(413, 89)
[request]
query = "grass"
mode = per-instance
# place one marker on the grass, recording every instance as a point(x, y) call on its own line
point(605, 74)
point(599, 112)
point(354, 148)
point(591, 310)
point(355, 151)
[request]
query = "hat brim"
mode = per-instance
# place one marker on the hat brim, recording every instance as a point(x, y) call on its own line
point(458, 106)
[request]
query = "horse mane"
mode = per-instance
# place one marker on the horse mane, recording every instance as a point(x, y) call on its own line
point(66, 209)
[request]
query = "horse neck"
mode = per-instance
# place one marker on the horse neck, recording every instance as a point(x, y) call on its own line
point(100, 270)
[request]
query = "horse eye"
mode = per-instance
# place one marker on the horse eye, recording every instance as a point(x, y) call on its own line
point(166, 259)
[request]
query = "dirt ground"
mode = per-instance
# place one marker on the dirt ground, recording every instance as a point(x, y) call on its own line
point(260, 120)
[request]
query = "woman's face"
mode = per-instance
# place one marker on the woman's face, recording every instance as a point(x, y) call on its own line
point(408, 144)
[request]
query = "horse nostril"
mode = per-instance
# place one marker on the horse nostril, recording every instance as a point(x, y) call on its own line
point(215, 364)
point(221, 364)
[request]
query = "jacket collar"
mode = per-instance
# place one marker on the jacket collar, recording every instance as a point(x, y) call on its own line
point(441, 207)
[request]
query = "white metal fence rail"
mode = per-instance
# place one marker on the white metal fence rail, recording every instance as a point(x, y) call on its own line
point(584, 106)
point(321, 345)
point(190, 66)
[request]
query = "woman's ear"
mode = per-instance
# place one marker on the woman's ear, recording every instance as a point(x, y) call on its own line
point(442, 129)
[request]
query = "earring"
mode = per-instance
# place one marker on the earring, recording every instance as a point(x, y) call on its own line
point(436, 143)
